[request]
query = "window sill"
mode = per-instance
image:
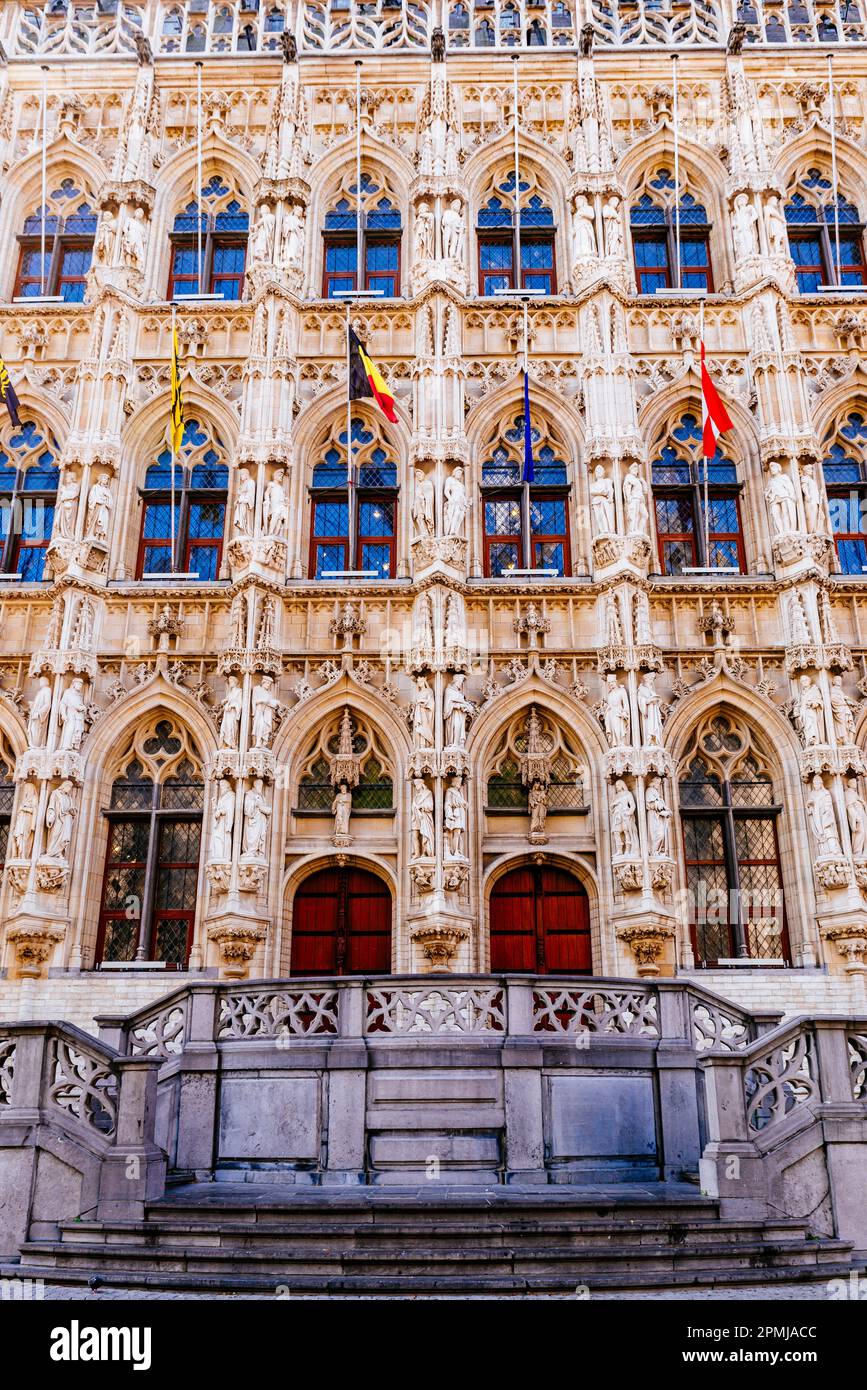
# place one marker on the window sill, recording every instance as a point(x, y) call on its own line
point(326, 815)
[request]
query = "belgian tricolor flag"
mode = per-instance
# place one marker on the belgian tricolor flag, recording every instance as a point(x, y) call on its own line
point(365, 378)
point(7, 394)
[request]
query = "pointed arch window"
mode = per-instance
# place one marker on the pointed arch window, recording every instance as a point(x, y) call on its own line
point(497, 237)
point(380, 240)
point(513, 531)
point(374, 791)
point(154, 816)
point(7, 796)
point(29, 478)
point(354, 527)
point(846, 483)
point(70, 228)
point(654, 226)
point(812, 235)
point(677, 474)
point(201, 487)
point(729, 813)
point(225, 225)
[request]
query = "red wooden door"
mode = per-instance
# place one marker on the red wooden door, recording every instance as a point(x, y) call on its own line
point(540, 921)
point(341, 924)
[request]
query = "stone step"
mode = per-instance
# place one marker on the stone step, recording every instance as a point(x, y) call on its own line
point(580, 1263)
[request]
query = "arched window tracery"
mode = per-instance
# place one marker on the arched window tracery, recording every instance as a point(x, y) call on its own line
point(29, 478)
point(354, 525)
point(729, 811)
point(677, 474)
point(655, 225)
point(812, 226)
point(69, 220)
point(499, 230)
point(225, 224)
point(374, 790)
point(844, 465)
point(7, 795)
point(381, 227)
point(569, 776)
point(201, 486)
point(154, 818)
point(518, 537)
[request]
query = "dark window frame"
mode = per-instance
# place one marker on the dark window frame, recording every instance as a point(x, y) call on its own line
point(823, 232)
point(187, 495)
point(693, 492)
point(18, 498)
point(486, 236)
point(364, 496)
point(57, 244)
point(368, 239)
point(213, 239)
point(689, 231)
point(539, 492)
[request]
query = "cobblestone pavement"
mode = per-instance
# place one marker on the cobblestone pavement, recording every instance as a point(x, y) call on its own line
point(813, 1292)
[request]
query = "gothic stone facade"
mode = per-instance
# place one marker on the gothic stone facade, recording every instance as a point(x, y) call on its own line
point(615, 763)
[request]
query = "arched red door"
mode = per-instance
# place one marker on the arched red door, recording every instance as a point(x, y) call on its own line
point(540, 921)
point(341, 924)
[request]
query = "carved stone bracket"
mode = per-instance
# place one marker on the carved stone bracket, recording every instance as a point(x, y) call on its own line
point(251, 875)
point(851, 942)
point(647, 944)
point(219, 876)
point(439, 944)
point(833, 872)
point(422, 871)
point(52, 876)
point(628, 875)
point(237, 942)
point(34, 943)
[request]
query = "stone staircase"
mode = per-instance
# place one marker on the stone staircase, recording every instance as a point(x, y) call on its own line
point(393, 1242)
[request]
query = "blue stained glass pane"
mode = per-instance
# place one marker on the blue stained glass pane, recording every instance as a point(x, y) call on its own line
point(204, 561)
point(37, 519)
point(503, 558)
point(496, 255)
point(42, 477)
point(384, 218)
point(8, 474)
point(846, 514)
point(852, 556)
point(158, 520)
point(693, 253)
point(376, 519)
point(381, 257)
point(328, 557)
point(31, 563)
point(809, 281)
point(157, 559)
point(376, 557)
point(325, 476)
point(723, 514)
point(73, 293)
point(549, 555)
point(724, 555)
point(234, 219)
point(548, 517)
point(206, 520)
point(846, 212)
point(207, 475)
point(536, 214)
point(855, 427)
point(340, 258)
point(33, 225)
point(159, 475)
point(494, 214)
point(377, 475)
point(651, 253)
point(646, 213)
point(806, 251)
point(494, 283)
point(691, 212)
point(536, 255)
point(798, 211)
point(81, 223)
point(331, 519)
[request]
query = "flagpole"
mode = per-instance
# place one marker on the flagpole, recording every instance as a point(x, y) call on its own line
point(172, 437)
point(838, 279)
point(44, 178)
point(517, 237)
point(198, 175)
point(706, 459)
point(675, 120)
point(525, 488)
point(350, 452)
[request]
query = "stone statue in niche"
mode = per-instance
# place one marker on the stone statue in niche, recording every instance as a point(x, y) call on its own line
point(223, 822)
point(658, 819)
point(264, 709)
point(99, 505)
point(245, 504)
point(613, 625)
point(455, 820)
point(635, 501)
point(40, 709)
point(275, 511)
point(72, 714)
point(256, 814)
point(67, 507)
point(778, 232)
point(744, 223)
point(537, 805)
point(341, 810)
point(456, 504)
point(262, 238)
point(231, 716)
point(425, 228)
point(423, 505)
point(617, 717)
point(583, 229)
point(457, 710)
point(624, 830)
point(602, 502)
point(811, 712)
point(782, 504)
point(103, 246)
point(422, 820)
point(856, 814)
point(841, 713)
point(453, 231)
point(820, 809)
point(798, 622)
point(422, 627)
point(643, 632)
point(812, 501)
point(422, 715)
point(612, 225)
point(292, 239)
point(456, 624)
point(650, 709)
point(25, 822)
point(132, 241)
point(59, 818)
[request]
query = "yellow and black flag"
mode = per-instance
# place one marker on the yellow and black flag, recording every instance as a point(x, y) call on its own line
point(177, 398)
point(7, 394)
point(365, 378)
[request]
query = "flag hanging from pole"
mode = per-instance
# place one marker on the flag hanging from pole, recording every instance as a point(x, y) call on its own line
point(714, 416)
point(529, 471)
point(7, 394)
point(366, 380)
point(177, 397)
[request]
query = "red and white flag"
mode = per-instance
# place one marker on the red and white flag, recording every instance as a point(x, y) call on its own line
point(714, 416)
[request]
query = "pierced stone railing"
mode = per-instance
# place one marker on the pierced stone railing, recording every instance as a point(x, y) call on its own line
point(278, 1013)
point(668, 22)
point(719, 1027)
point(606, 1011)
point(780, 1080)
point(857, 1045)
point(83, 1085)
point(160, 1032)
point(45, 29)
point(440, 1009)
